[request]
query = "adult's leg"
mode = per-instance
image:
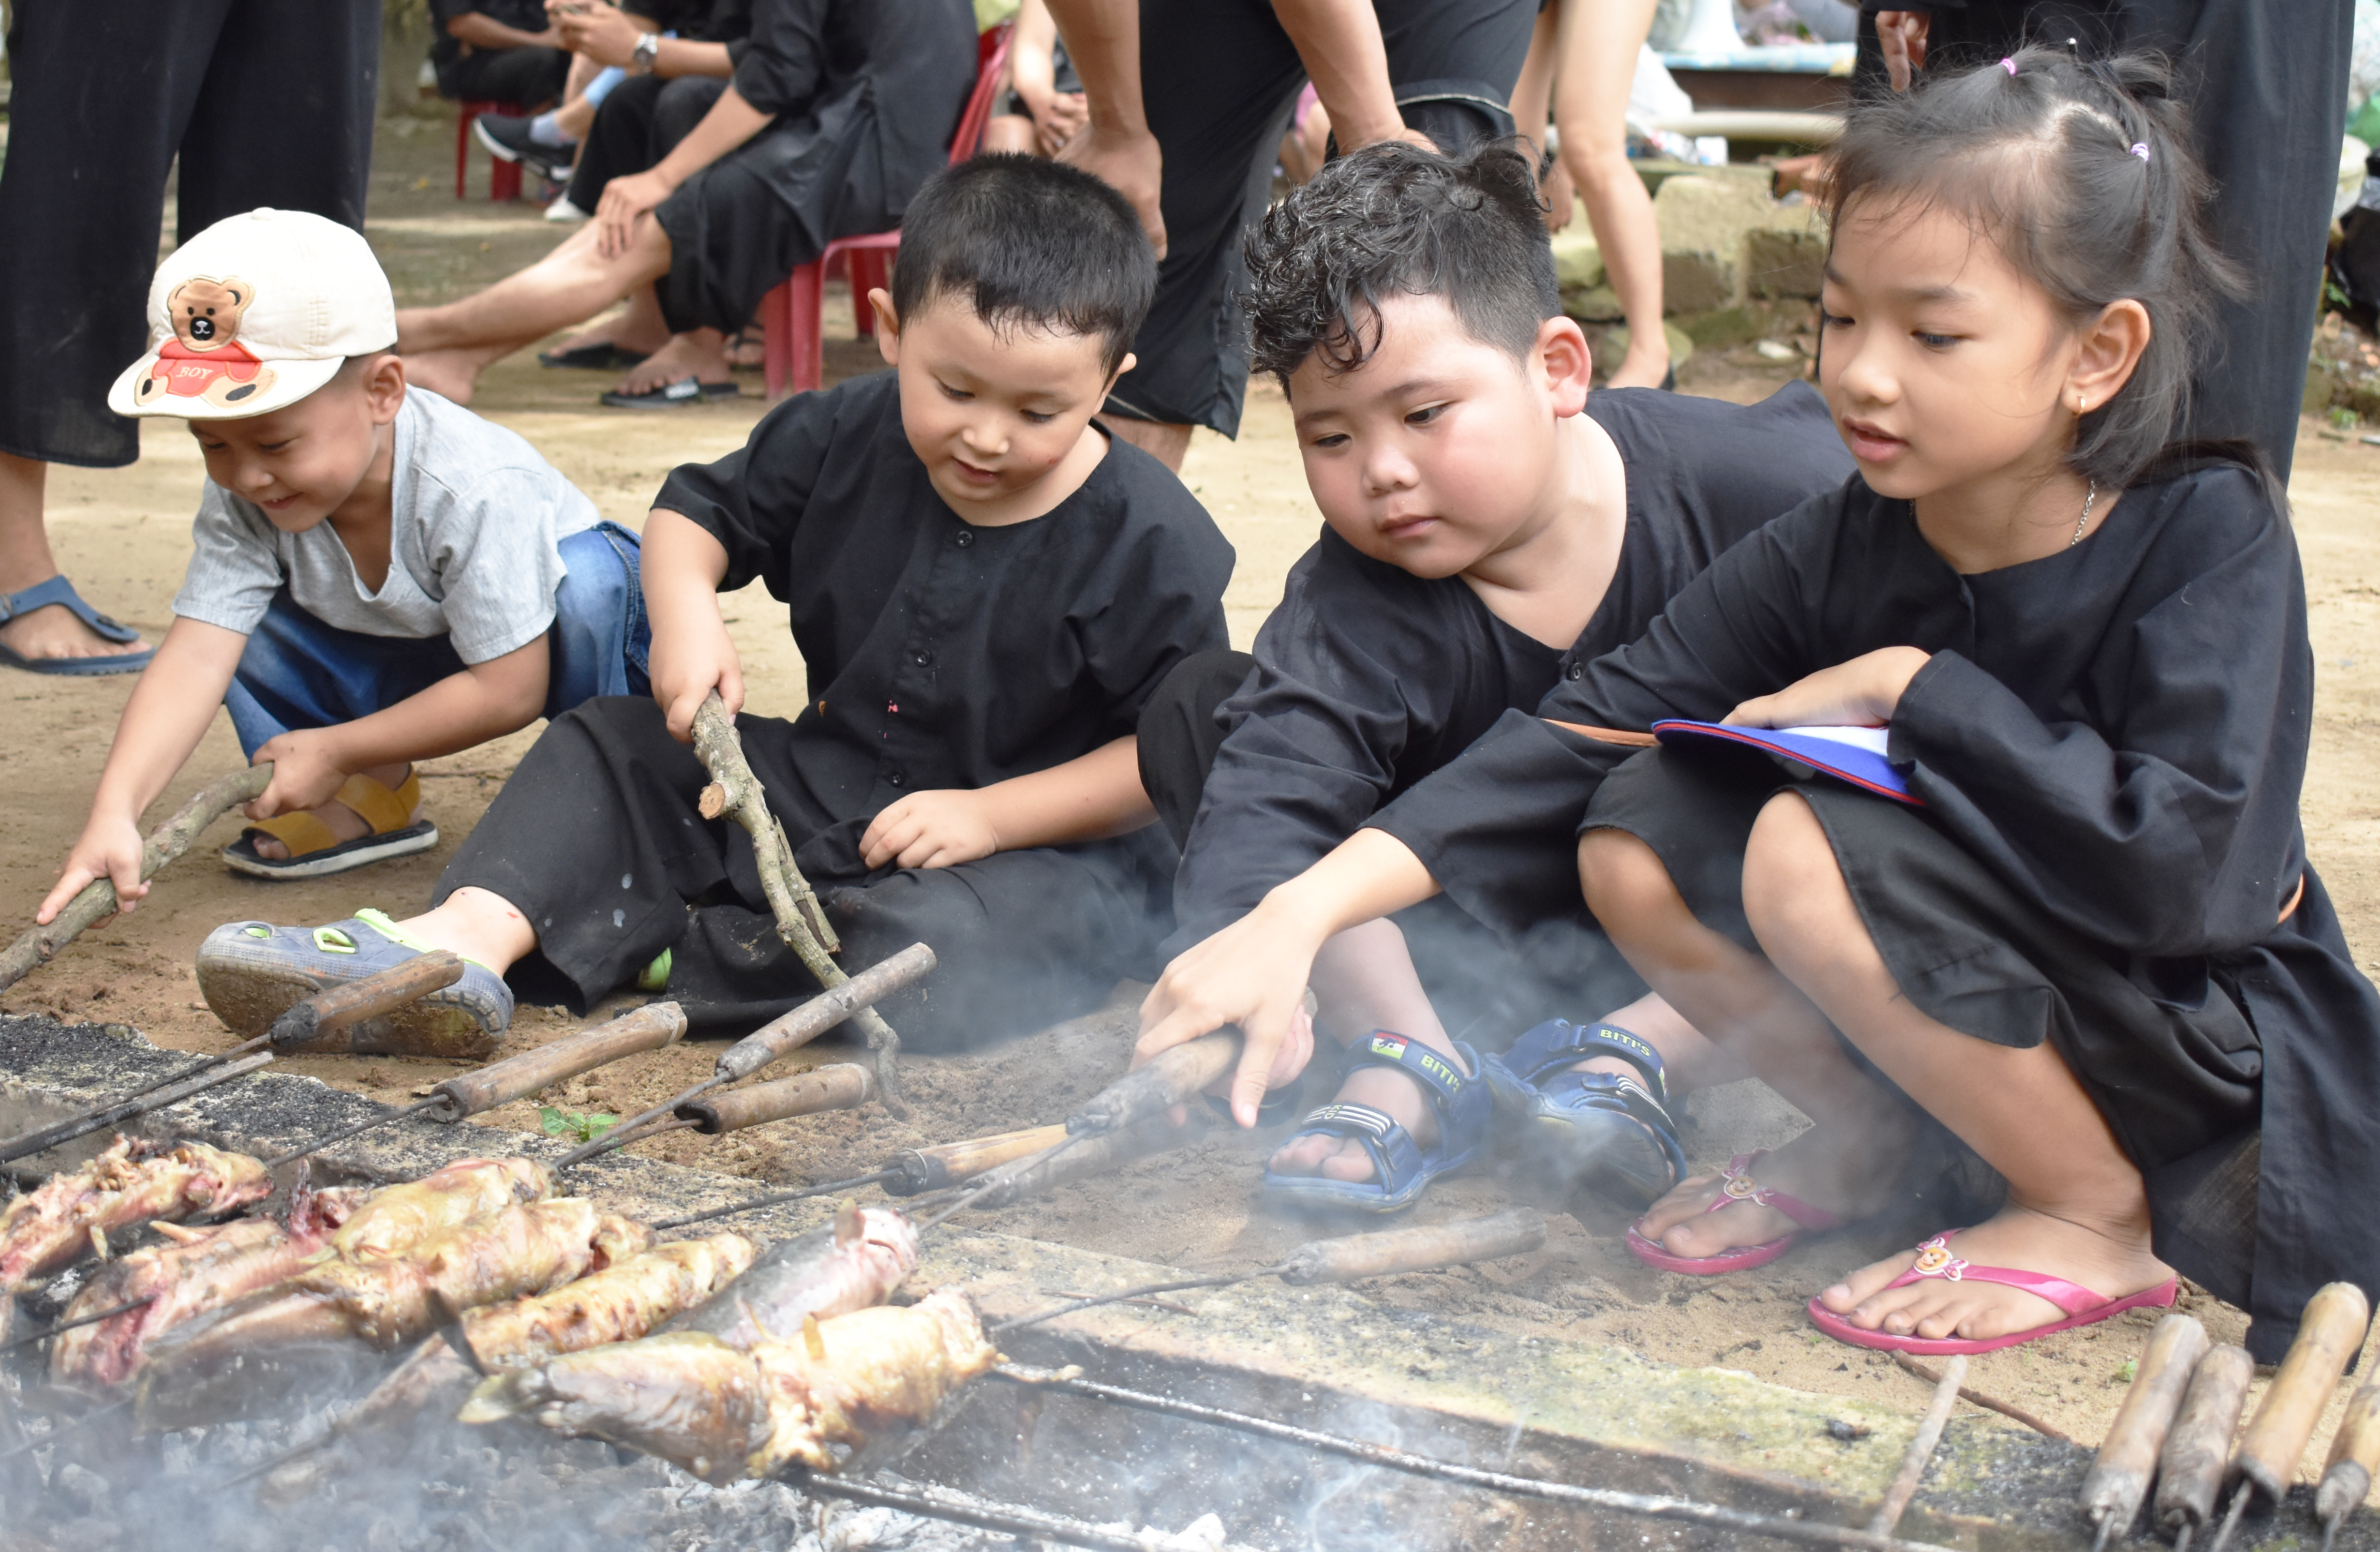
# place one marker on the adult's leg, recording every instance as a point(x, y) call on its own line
point(446, 347)
point(1599, 42)
point(103, 92)
point(284, 115)
point(532, 75)
point(2076, 1207)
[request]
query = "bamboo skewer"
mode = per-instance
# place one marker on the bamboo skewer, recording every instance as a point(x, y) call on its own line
point(96, 901)
point(735, 792)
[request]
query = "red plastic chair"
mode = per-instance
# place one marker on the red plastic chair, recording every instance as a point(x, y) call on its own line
point(504, 178)
point(795, 353)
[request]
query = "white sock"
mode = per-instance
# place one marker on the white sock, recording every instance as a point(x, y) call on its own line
point(543, 130)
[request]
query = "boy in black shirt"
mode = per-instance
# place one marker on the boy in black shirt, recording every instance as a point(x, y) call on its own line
point(984, 588)
point(1491, 530)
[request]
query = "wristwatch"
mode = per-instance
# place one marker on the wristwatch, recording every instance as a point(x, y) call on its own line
point(648, 49)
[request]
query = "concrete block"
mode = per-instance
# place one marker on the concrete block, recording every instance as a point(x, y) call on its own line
point(1578, 260)
point(1708, 259)
point(1598, 304)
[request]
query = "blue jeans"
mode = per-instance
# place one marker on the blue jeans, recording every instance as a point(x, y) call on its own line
point(298, 673)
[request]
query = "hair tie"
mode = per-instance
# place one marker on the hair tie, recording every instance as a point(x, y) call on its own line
point(2008, 65)
point(2139, 151)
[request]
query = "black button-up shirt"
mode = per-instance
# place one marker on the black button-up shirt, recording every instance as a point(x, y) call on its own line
point(942, 655)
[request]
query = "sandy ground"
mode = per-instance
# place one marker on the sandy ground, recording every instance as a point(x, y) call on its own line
point(121, 534)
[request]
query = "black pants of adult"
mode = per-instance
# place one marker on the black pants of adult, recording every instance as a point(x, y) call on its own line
point(596, 840)
point(266, 102)
point(638, 123)
point(2267, 88)
point(1219, 78)
point(528, 77)
point(1487, 987)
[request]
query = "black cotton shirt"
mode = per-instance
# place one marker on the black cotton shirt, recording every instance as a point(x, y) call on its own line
point(1369, 678)
point(524, 15)
point(941, 654)
point(2117, 731)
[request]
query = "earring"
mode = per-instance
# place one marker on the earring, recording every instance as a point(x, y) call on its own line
point(2081, 406)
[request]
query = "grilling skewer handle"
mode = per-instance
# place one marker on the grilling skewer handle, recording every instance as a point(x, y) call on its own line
point(1417, 1249)
point(651, 1027)
point(2266, 1462)
point(335, 1010)
point(2354, 1455)
point(947, 1164)
point(1168, 1078)
point(792, 1030)
point(2198, 1448)
point(842, 1087)
point(2119, 1479)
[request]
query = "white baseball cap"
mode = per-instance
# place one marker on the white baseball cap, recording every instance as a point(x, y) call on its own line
point(253, 314)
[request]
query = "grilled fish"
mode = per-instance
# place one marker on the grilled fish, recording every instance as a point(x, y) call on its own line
point(398, 1219)
point(195, 1271)
point(691, 1398)
point(855, 1262)
point(625, 1301)
point(135, 1181)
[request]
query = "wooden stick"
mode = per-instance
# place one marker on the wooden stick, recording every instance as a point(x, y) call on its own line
point(1921, 1451)
point(735, 792)
point(97, 900)
point(1989, 1403)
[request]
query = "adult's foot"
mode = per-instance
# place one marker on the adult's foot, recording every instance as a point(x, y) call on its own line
point(1648, 367)
point(53, 631)
point(343, 822)
point(1344, 1159)
point(2112, 1259)
point(453, 374)
point(1852, 1177)
point(701, 354)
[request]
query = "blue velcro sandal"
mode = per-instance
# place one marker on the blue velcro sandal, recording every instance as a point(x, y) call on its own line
point(252, 973)
point(1401, 1169)
point(58, 590)
point(1602, 1131)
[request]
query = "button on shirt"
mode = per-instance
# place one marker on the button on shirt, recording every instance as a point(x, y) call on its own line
point(942, 655)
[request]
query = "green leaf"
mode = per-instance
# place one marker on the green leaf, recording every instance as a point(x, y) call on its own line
point(2130, 1371)
point(597, 1123)
point(554, 1121)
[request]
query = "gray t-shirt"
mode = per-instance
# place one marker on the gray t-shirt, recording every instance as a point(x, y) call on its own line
point(475, 515)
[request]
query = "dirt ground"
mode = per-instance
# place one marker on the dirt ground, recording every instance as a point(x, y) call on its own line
point(121, 535)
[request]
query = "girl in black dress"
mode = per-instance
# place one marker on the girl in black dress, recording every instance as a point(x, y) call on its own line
point(2091, 947)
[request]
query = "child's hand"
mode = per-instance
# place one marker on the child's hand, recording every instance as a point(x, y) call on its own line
point(308, 772)
point(686, 671)
point(1059, 120)
point(930, 830)
point(108, 849)
point(1861, 693)
point(1252, 973)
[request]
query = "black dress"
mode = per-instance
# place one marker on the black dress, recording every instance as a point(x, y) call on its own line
point(940, 655)
point(866, 95)
point(2110, 743)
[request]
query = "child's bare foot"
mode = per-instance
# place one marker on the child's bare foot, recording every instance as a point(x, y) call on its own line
point(2111, 1259)
point(343, 823)
point(1344, 1159)
point(1851, 1179)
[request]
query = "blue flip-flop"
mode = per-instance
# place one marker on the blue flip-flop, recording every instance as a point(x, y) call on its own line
point(1401, 1169)
point(1603, 1130)
point(58, 590)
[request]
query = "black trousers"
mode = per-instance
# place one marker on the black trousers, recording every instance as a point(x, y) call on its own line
point(267, 102)
point(1221, 77)
point(530, 77)
point(1487, 987)
point(2267, 88)
point(596, 840)
point(638, 123)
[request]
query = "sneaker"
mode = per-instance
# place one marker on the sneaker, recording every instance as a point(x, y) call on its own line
point(562, 210)
point(670, 395)
point(507, 140)
point(252, 973)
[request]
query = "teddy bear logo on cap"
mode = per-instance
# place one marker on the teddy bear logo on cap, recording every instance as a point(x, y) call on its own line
point(204, 358)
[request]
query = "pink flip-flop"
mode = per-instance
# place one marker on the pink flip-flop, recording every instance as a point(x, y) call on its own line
point(2082, 1307)
point(1738, 1186)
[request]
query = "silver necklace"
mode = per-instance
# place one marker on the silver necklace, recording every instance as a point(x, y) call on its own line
point(2085, 521)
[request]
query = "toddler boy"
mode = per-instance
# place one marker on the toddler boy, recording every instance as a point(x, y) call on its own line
point(985, 588)
point(1492, 528)
point(379, 577)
